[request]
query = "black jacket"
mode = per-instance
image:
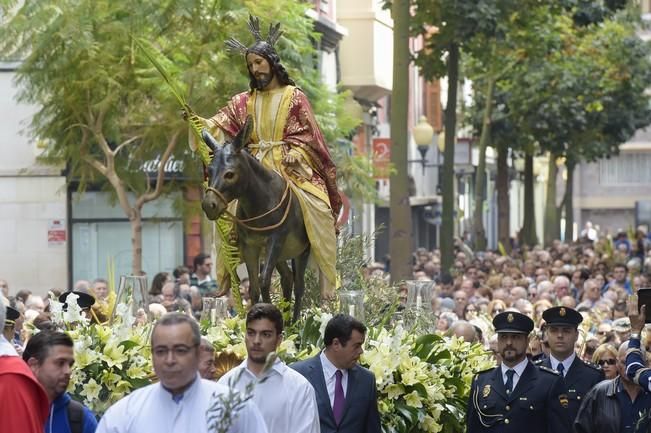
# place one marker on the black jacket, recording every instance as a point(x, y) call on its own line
point(580, 379)
point(599, 412)
point(538, 404)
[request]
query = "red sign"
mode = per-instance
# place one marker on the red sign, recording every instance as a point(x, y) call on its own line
point(56, 233)
point(381, 157)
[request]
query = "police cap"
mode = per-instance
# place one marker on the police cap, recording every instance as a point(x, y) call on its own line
point(512, 321)
point(562, 316)
point(12, 316)
point(84, 300)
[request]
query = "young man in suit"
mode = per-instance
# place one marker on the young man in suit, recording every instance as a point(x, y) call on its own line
point(345, 392)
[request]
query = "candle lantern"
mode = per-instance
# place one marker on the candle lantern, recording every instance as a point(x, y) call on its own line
point(133, 292)
point(419, 295)
point(351, 302)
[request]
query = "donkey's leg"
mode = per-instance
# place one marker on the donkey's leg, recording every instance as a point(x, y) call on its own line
point(300, 264)
point(273, 252)
point(287, 283)
point(251, 258)
point(286, 279)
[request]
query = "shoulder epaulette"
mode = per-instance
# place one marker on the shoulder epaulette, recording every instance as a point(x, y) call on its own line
point(479, 373)
point(548, 370)
point(487, 370)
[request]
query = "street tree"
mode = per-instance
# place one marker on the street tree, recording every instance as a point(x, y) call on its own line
point(446, 27)
point(103, 109)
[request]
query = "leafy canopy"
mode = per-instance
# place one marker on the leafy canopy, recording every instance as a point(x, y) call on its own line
point(96, 90)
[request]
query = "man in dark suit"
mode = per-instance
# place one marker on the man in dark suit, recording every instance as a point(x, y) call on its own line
point(517, 396)
point(561, 328)
point(346, 394)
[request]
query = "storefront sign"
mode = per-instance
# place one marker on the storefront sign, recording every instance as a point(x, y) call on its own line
point(173, 167)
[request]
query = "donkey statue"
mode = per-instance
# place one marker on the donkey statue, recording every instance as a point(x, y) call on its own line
point(269, 219)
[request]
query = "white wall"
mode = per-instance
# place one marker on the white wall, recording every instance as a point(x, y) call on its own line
point(31, 197)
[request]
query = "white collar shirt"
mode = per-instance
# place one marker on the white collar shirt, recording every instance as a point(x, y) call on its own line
point(567, 362)
point(285, 398)
point(329, 371)
point(519, 370)
point(153, 409)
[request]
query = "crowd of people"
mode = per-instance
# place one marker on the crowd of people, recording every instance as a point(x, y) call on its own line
point(567, 306)
point(560, 318)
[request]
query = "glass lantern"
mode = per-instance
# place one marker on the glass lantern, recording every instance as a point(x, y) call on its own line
point(351, 302)
point(208, 306)
point(214, 309)
point(419, 295)
point(133, 292)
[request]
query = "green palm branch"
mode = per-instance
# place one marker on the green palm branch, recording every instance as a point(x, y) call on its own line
point(229, 252)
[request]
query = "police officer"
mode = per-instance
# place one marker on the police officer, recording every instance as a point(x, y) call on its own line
point(9, 331)
point(561, 328)
point(517, 396)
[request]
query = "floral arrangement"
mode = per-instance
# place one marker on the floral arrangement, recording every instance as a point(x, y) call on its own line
point(110, 360)
point(422, 381)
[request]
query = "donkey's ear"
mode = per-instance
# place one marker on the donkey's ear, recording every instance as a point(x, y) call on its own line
point(209, 140)
point(244, 136)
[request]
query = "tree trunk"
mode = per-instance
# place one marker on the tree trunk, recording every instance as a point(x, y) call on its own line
point(480, 181)
point(551, 227)
point(400, 240)
point(503, 202)
point(447, 189)
point(136, 241)
point(529, 224)
point(569, 202)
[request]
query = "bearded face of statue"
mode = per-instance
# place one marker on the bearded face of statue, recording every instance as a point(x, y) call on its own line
point(260, 70)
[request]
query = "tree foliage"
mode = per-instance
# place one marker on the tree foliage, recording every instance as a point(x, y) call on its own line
point(80, 65)
point(103, 109)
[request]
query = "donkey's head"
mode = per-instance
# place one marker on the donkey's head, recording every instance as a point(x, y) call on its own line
point(227, 171)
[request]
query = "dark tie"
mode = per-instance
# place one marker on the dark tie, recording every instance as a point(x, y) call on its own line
point(338, 405)
point(561, 369)
point(509, 380)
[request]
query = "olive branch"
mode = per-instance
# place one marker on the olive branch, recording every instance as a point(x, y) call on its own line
point(225, 409)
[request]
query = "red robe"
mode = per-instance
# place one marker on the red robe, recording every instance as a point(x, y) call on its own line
point(24, 405)
point(300, 130)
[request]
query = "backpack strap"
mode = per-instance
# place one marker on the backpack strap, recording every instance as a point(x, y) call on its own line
point(76, 416)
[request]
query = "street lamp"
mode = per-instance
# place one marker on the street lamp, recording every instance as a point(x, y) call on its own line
point(423, 134)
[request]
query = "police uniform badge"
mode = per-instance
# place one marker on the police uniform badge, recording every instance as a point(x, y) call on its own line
point(564, 401)
point(510, 318)
point(562, 312)
point(486, 391)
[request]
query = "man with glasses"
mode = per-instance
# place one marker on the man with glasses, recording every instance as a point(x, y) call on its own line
point(179, 401)
point(561, 330)
point(201, 278)
point(615, 405)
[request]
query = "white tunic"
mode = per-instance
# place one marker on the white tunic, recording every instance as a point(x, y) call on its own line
point(286, 399)
point(152, 409)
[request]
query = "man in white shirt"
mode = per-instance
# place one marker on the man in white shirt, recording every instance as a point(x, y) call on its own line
point(285, 398)
point(178, 403)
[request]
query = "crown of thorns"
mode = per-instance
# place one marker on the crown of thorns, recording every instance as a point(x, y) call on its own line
point(235, 46)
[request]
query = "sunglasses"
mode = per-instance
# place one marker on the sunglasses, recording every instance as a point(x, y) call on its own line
point(603, 362)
